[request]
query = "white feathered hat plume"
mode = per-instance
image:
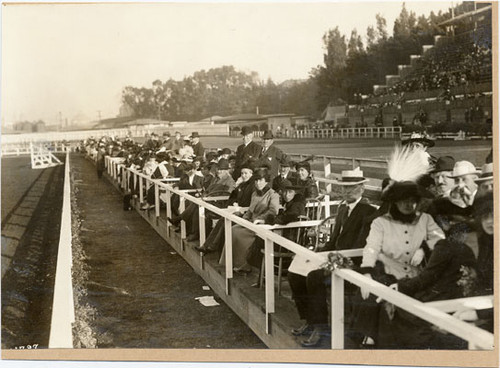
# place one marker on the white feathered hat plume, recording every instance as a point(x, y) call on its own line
point(407, 164)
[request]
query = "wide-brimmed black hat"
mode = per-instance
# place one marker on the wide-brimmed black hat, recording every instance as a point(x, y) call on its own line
point(444, 163)
point(223, 164)
point(419, 138)
point(268, 135)
point(195, 135)
point(225, 151)
point(246, 130)
point(403, 190)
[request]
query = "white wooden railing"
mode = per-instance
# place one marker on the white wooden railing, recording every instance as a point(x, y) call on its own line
point(345, 133)
point(476, 337)
point(24, 148)
point(63, 309)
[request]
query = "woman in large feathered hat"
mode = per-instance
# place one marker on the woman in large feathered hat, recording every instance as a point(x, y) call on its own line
point(394, 247)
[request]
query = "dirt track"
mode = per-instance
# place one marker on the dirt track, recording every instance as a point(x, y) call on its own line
point(142, 292)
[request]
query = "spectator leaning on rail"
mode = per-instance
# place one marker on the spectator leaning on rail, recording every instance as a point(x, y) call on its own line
point(271, 154)
point(396, 241)
point(455, 270)
point(309, 292)
point(294, 207)
point(248, 150)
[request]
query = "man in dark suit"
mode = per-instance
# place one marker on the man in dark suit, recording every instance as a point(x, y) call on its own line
point(271, 155)
point(285, 174)
point(351, 215)
point(249, 149)
point(309, 292)
point(198, 149)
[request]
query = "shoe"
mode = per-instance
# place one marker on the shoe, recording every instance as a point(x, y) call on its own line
point(203, 250)
point(244, 270)
point(305, 329)
point(174, 220)
point(313, 340)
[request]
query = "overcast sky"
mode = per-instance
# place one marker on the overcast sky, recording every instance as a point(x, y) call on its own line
point(75, 59)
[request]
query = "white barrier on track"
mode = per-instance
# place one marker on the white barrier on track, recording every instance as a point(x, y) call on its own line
point(63, 310)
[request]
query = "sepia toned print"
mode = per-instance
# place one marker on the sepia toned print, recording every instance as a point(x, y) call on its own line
point(250, 182)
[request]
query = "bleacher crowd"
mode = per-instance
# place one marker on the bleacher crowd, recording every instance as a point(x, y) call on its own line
point(430, 236)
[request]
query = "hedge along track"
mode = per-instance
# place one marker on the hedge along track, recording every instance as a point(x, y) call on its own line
point(30, 236)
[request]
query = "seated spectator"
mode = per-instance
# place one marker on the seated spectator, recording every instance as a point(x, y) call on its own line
point(456, 208)
point(485, 180)
point(241, 197)
point(190, 215)
point(224, 154)
point(465, 174)
point(443, 169)
point(265, 202)
point(294, 206)
point(305, 179)
point(284, 174)
point(352, 212)
point(309, 293)
point(453, 271)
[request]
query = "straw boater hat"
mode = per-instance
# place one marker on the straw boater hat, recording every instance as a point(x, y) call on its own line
point(419, 138)
point(351, 177)
point(486, 173)
point(462, 168)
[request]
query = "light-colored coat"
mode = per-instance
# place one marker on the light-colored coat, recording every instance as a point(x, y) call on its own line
point(395, 243)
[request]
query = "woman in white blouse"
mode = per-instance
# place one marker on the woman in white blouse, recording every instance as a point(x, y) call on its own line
point(396, 238)
point(393, 249)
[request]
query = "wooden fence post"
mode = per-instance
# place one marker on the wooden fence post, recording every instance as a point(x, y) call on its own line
point(337, 317)
point(269, 271)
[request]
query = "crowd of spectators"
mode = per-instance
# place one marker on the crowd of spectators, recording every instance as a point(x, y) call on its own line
point(431, 237)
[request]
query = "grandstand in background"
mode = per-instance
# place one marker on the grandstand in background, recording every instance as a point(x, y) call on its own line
point(449, 83)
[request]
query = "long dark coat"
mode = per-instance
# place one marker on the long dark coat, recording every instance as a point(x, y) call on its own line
point(273, 156)
point(243, 154)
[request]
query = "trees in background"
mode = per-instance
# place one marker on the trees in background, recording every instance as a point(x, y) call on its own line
point(350, 68)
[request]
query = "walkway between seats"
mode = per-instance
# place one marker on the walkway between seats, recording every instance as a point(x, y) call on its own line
point(142, 291)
